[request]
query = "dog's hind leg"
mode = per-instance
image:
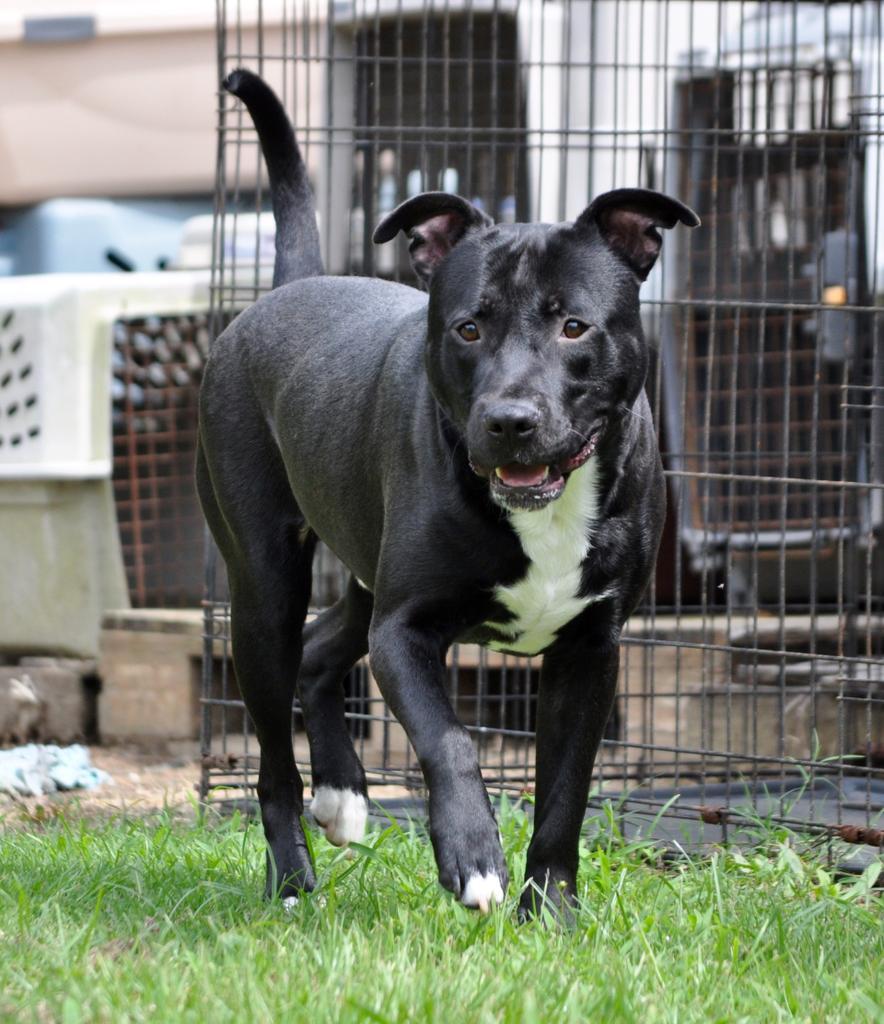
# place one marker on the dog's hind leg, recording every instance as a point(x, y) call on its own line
point(333, 642)
point(269, 554)
point(268, 605)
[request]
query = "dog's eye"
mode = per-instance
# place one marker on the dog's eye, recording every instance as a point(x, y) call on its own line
point(574, 329)
point(468, 331)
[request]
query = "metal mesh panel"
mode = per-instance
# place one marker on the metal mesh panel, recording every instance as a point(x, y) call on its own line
point(752, 680)
point(157, 368)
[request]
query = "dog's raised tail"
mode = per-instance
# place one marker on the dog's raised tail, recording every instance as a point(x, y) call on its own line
point(297, 239)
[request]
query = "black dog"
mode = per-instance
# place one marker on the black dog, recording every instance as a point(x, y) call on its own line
point(481, 459)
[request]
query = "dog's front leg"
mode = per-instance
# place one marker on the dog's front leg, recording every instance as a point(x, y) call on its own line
point(577, 686)
point(409, 665)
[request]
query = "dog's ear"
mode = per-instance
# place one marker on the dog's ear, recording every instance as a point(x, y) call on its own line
point(628, 218)
point(435, 222)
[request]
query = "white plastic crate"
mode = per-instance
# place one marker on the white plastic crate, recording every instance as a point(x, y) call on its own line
point(55, 364)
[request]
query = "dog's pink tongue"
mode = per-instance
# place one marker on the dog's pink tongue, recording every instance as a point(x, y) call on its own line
point(515, 475)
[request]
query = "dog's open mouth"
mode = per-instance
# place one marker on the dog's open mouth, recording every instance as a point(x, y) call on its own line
point(530, 486)
point(534, 483)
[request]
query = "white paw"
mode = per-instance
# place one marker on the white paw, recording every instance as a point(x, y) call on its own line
point(481, 890)
point(341, 813)
point(289, 903)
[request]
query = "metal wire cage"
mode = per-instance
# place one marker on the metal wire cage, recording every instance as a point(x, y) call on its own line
point(752, 679)
point(157, 368)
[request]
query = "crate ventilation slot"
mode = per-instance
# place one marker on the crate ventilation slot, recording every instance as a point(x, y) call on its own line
point(18, 401)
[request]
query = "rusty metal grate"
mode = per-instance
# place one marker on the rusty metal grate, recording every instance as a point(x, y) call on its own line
point(157, 368)
point(773, 410)
point(767, 355)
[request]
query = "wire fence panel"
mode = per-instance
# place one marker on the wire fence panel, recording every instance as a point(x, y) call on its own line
point(157, 368)
point(752, 678)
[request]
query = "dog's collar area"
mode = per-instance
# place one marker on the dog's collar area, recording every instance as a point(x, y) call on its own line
point(517, 485)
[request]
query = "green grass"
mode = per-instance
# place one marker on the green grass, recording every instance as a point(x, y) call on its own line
point(161, 920)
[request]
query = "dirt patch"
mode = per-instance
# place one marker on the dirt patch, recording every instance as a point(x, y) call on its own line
point(140, 784)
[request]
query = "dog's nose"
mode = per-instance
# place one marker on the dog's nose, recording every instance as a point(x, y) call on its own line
point(511, 421)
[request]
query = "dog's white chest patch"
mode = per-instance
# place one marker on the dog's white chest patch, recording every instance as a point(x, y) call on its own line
point(556, 540)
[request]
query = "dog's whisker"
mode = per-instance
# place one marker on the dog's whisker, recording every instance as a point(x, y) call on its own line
point(638, 416)
point(583, 437)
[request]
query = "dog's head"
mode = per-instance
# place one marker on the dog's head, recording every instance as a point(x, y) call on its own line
point(535, 345)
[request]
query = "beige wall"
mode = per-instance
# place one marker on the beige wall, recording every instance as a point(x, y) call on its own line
point(132, 111)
